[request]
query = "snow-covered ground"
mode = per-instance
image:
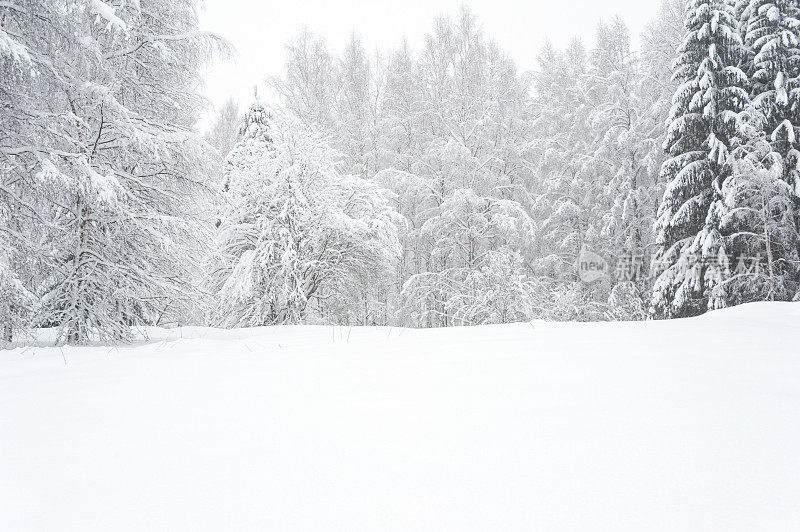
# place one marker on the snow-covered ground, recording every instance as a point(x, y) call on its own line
point(682, 425)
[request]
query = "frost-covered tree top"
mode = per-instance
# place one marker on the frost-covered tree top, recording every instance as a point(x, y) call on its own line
point(224, 131)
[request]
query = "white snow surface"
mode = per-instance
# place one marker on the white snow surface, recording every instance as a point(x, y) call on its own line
point(681, 425)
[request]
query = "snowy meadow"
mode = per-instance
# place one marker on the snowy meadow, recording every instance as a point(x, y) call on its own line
point(412, 288)
point(674, 425)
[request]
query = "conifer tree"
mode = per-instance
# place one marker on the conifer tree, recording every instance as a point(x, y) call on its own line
point(100, 162)
point(701, 135)
point(771, 32)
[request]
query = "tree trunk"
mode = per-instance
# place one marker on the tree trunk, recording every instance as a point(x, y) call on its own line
point(76, 327)
point(768, 244)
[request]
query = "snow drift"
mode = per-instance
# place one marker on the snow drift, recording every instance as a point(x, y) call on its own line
point(681, 425)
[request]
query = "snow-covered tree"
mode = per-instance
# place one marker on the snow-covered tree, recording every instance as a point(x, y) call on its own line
point(771, 31)
point(357, 109)
point(296, 231)
point(656, 86)
point(567, 203)
point(21, 126)
point(107, 155)
point(224, 131)
point(620, 156)
point(459, 136)
point(17, 302)
point(474, 237)
point(701, 136)
point(309, 86)
point(499, 290)
point(660, 42)
point(759, 237)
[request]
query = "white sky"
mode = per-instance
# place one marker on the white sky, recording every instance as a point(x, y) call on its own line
point(259, 29)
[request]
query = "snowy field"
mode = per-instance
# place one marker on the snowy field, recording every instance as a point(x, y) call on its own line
point(683, 425)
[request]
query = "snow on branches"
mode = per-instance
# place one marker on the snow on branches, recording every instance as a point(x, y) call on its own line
point(294, 229)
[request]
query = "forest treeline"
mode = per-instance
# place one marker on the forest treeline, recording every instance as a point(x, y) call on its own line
point(430, 186)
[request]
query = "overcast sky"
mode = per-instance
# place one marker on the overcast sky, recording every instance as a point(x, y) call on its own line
point(259, 29)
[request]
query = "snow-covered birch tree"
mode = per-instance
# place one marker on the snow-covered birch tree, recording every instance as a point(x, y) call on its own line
point(757, 223)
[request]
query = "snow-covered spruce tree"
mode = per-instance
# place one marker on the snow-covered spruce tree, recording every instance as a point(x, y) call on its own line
point(296, 232)
point(701, 135)
point(771, 32)
point(113, 160)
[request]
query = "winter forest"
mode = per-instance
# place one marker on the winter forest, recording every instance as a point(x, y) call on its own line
point(427, 186)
